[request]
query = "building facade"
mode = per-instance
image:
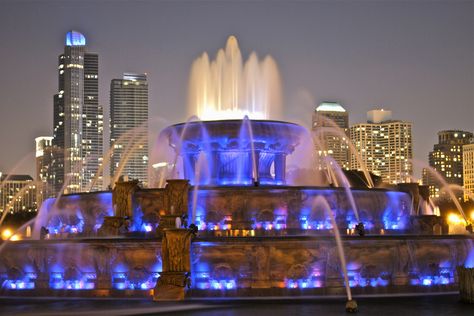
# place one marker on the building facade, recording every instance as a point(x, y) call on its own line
point(129, 127)
point(384, 146)
point(447, 160)
point(330, 126)
point(44, 161)
point(78, 119)
point(468, 171)
point(17, 193)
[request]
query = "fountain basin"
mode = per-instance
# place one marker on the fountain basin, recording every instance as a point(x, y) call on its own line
point(237, 152)
point(259, 266)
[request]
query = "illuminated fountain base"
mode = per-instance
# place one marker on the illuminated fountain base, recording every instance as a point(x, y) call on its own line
point(229, 266)
point(289, 248)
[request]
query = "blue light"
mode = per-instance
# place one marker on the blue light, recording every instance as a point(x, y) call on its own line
point(470, 259)
point(85, 282)
point(427, 281)
point(74, 38)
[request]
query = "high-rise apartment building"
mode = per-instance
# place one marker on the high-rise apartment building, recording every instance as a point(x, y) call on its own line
point(129, 126)
point(447, 160)
point(44, 162)
point(78, 119)
point(330, 129)
point(384, 145)
point(468, 171)
point(17, 193)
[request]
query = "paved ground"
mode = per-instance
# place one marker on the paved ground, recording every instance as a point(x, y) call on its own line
point(445, 305)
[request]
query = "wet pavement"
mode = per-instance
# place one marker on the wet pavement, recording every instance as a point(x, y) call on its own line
point(445, 305)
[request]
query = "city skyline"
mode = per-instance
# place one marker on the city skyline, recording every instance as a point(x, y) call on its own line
point(399, 71)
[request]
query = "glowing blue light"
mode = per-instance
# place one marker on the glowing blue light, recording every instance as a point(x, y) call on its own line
point(120, 286)
point(470, 259)
point(427, 282)
point(215, 285)
point(74, 38)
point(85, 282)
point(22, 284)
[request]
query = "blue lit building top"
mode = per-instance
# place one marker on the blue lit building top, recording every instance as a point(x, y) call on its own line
point(74, 38)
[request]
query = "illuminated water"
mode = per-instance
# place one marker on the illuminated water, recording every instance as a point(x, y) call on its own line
point(228, 87)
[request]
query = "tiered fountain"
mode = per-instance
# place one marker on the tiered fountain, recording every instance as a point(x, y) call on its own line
point(259, 232)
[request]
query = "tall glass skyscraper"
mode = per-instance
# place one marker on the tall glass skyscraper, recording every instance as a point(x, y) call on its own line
point(129, 127)
point(78, 119)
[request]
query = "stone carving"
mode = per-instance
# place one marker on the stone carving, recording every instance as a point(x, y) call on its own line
point(111, 226)
point(176, 192)
point(466, 284)
point(176, 256)
point(122, 197)
point(176, 246)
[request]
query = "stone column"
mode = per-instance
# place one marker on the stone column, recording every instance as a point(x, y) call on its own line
point(122, 197)
point(466, 284)
point(122, 201)
point(175, 203)
point(176, 256)
point(176, 197)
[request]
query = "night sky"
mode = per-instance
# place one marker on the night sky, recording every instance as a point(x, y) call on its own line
point(413, 57)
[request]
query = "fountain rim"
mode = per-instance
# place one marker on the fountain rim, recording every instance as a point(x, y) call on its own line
point(232, 120)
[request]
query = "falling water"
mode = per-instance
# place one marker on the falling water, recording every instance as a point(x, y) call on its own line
point(445, 186)
point(201, 162)
point(332, 163)
point(180, 143)
point(248, 128)
point(321, 201)
point(334, 130)
point(229, 88)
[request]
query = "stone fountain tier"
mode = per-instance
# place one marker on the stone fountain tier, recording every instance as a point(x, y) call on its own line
point(229, 145)
point(269, 266)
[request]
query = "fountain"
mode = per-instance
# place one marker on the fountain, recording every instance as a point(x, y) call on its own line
point(259, 234)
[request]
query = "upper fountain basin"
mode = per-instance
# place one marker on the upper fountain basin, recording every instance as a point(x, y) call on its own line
point(236, 152)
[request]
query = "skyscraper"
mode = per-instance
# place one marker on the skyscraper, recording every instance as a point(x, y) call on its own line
point(18, 193)
point(129, 126)
point(78, 118)
point(330, 119)
point(384, 145)
point(447, 159)
point(468, 171)
point(44, 160)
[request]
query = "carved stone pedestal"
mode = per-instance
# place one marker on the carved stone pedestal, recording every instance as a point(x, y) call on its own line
point(166, 222)
point(103, 282)
point(171, 286)
point(42, 283)
point(122, 197)
point(400, 279)
point(261, 284)
point(466, 284)
point(176, 255)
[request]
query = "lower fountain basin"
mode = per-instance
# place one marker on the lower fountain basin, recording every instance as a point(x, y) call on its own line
point(263, 266)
